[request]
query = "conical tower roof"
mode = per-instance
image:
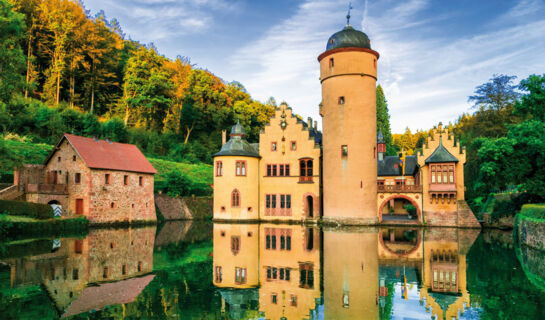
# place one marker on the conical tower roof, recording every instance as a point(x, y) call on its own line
point(237, 144)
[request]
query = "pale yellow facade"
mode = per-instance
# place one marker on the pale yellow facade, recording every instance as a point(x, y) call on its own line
point(348, 79)
point(227, 182)
point(289, 145)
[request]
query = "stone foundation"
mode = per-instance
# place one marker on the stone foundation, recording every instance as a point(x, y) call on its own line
point(531, 233)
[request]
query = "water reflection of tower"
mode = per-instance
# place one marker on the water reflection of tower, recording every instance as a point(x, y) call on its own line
point(289, 267)
point(235, 268)
point(350, 275)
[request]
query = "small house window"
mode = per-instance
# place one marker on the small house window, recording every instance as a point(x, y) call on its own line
point(75, 274)
point(269, 170)
point(139, 266)
point(274, 299)
point(219, 274)
point(58, 159)
point(344, 151)
point(305, 168)
point(77, 177)
point(112, 205)
point(105, 273)
point(219, 168)
point(240, 168)
point(73, 158)
point(235, 244)
point(341, 100)
point(124, 269)
point(140, 181)
point(287, 170)
point(126, 180)
point(107, 178)
point(240, 275)
point(293, 145)
point(273, 146)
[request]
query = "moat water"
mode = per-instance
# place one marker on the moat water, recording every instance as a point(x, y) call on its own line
point(189, 270)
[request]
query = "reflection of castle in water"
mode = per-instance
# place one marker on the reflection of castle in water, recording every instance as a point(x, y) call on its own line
point(274, 271)
point(114, 261)
point(268, 269)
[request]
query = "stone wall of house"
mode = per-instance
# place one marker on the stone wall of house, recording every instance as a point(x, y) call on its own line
point(116, 201)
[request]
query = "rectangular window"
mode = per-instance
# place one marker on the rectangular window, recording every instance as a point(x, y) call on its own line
point(445, 172)
point(273, 201)
point(341, 100)
point(107, 178)
point(281, 170)
point(126, 180)
point(219, 168)
point(219, 275)
point(281, 273)
point(240, 275)
point(288, 201)
point(331, 63)
point(268, 242)
point(274, 166)
point(269, 273)
point(273, 146)
point(269, 170)
point(293, 300)
point(344, 150)
point(241, 168)
point(293, 145)
point(282, 242)
point(288, 244)
point(75, 274)
point(58, 159)
point(287, 170)
point(275, 273)
point(451, 174)
point(268, 201)
point(282, 201)
point(78, 246)
point(140, 181)
point(77, 178)
point(124, 269)
point(287, 274)
point(273, 242)
point(274, 300)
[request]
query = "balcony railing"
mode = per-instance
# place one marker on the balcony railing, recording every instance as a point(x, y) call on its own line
point(396, 188)
point(47, 188)
point(305, 178)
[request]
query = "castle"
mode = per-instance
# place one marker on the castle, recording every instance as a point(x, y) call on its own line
point(344, 177)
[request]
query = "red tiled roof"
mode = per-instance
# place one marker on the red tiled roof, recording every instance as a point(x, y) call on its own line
point(101, 154)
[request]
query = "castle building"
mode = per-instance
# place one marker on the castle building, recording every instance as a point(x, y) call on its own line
point(293, 174)
point(103, 180)
point(275, 180)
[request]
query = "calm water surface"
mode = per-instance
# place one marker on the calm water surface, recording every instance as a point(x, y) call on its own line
point(185, 270)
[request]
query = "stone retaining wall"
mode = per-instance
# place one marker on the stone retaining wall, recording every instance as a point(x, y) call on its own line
point(531, 233)
point(185, 208)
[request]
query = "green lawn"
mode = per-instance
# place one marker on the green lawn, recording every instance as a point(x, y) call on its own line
point(34, 153)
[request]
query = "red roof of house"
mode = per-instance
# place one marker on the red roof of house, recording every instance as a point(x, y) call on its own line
point(101, 154)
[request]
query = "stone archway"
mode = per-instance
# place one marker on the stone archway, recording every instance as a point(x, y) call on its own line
point(400, 197)
point(57, 208)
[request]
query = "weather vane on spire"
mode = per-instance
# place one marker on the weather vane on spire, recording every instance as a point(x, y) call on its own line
point(348, 15)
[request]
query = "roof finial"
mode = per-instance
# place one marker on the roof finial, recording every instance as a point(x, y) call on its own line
point(348, 15)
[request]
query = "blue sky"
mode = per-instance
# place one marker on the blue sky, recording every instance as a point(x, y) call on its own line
point(433, 53)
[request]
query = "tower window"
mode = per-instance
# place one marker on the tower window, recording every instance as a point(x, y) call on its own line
point(331, 63)
point(344, 150)
point(341, 100)
point(235, 199)
point(293, 145)
point(273, 146)
point(240, 168)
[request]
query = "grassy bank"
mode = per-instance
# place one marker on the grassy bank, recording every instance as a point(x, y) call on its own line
point(35, 153)
point(18, 227)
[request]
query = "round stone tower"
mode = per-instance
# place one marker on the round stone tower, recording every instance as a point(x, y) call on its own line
point(348, 74)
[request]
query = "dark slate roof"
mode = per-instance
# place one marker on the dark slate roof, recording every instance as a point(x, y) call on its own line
point(313, 132)
point(440, 155)
point(380, 137)
point(348, 38)
point(386, 167)
point(238, 145)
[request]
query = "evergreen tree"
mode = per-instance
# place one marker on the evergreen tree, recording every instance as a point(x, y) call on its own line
point(383, 121)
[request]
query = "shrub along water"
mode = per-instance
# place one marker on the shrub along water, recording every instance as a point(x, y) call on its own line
point(26, 209)
point(12, 227)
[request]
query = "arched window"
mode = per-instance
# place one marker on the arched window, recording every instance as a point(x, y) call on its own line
point(235, 199)
point(306, 171)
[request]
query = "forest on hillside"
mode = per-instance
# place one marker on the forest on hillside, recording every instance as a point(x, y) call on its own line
point(63, 69)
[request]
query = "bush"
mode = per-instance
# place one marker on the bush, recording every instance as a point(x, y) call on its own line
point(27, 209)
point(411, 210)
point(534, 211)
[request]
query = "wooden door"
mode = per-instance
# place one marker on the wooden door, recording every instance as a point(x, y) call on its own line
point(54, 177)
point(79, 206)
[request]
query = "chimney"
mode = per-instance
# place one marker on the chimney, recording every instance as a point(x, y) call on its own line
point(223, 137)
point(309, 122)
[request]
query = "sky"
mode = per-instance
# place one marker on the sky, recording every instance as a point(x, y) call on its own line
point(432, 53)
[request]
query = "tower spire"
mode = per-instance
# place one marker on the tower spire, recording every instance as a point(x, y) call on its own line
point(348, 15)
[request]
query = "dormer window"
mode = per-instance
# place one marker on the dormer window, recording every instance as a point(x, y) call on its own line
point(341, 100)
